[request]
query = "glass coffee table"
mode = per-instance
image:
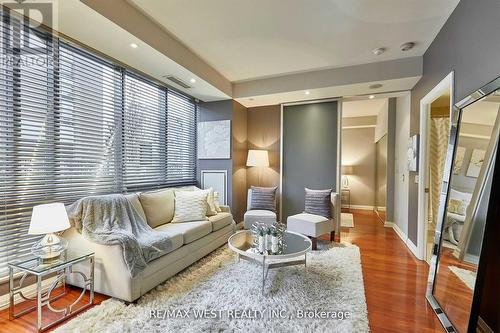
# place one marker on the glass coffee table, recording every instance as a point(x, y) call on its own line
point(294, 251)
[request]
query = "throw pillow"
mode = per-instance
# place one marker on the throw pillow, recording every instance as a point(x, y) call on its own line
point(158, 206)
point(211, 209)
point(263, 198)
point(457, 206)
point(190, 206)
point(217, 202)
point(318, 202)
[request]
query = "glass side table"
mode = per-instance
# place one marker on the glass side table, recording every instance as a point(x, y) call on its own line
point(59, 268)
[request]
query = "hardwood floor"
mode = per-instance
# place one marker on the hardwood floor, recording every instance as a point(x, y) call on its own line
point(395, 282)
point(27, 323)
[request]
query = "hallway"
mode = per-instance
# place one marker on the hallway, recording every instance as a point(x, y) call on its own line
point(395, 281)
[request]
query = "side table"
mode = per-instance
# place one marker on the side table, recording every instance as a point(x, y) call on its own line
point(60, 268)
point(345, 197)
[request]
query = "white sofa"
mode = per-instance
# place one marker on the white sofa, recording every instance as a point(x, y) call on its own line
point(191, 241)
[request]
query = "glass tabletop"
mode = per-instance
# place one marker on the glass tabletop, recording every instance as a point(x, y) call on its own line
point(38, 266)
point(294, 245)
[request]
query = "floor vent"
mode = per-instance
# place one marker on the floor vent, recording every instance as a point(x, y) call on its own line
point(177, 81)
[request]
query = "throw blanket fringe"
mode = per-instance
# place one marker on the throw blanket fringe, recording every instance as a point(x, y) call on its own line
point(110, 220)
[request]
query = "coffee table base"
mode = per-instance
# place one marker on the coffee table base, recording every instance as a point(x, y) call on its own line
point(271, 264)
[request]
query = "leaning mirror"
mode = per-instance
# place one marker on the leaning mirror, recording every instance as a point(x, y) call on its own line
point(463, 206)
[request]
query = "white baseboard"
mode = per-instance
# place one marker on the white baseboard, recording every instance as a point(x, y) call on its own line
point(362, 207)
point(28, 291)
point(409, 244)
point(413, 248)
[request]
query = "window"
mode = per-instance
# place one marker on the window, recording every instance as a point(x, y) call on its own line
point(73, 124)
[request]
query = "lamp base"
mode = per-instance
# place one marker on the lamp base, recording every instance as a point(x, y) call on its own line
point(49, 248)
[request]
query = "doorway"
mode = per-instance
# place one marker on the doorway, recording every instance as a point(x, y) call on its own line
point(435, 110)
point(367, 133)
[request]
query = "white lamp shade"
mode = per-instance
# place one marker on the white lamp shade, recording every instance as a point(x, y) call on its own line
point(258, 158)
point(48, 218)
point(347, 170)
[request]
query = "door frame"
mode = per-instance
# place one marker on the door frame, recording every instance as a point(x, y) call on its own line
point(446, 85)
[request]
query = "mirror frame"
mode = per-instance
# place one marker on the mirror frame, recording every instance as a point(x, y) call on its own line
point(455, 116)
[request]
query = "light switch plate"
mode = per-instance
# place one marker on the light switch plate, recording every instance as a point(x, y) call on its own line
point(416, 179)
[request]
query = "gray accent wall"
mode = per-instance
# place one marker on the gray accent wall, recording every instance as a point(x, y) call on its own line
point(211, 111)
point(309, 152)
point(468, 44)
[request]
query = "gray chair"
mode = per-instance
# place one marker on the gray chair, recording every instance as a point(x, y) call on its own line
point(262, 216)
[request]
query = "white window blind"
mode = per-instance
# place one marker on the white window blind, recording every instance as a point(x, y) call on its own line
point(181, 129)
point(73, 124)
point(144, 117)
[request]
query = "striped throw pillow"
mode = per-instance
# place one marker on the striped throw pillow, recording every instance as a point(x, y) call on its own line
point(263, 198)
point(318, 202)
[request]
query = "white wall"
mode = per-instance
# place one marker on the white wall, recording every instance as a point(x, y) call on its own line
point(401, 167)
point(382, 119)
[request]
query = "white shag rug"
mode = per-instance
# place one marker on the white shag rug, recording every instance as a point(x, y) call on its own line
point(347, 220)
point(332, 283)
point(467, 276)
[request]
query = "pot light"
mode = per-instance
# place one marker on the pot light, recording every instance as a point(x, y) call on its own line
point(378, 50)
point(371, 96)
point(133, 45)
point(407, 46)
point(307, 92)
point(193, 80)
point(375, 86)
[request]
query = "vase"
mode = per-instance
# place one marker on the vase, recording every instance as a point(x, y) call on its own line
point(274, 244)
point(262, 244)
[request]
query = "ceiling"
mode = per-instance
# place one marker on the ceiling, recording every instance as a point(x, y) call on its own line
point(76, 20)
point(245, 40)
point(481, 113)
point(363, 108)
point(262, 52)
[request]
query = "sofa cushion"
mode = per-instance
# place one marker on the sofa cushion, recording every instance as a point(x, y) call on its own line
point(220, 220)
point(176, 236)
point(190, 231)
point(158, 206)
point(136, 203)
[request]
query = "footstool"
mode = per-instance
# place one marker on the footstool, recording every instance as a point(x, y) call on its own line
point(311, 225)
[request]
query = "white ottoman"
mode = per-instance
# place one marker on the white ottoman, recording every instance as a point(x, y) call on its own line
point(311, 225)
point(262, 216)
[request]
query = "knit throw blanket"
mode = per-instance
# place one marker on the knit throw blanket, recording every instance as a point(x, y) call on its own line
point(111, 219)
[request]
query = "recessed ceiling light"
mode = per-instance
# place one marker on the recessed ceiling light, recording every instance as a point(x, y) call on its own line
point(307, 92)
point(250, 99)
point(375, 86)
point(193, 80)
point(407, 46)
point(371, 96)
point(378, 50)
point(133, 45)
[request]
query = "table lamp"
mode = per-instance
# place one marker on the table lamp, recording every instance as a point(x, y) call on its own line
point(346, 171)
point(47, 220)
point(258, 158)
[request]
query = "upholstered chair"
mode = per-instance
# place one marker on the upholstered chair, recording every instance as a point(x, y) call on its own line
point(312, 225)
point(258, 215)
